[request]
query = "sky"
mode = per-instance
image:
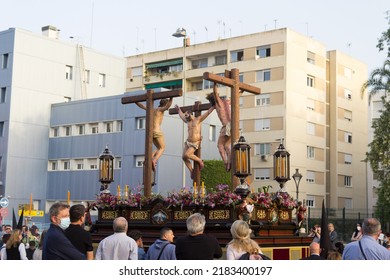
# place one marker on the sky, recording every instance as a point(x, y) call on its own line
point(125, 27)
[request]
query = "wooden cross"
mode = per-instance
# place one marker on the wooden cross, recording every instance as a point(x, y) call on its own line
point(231, 80)
point(197, 108)
point(149, 97)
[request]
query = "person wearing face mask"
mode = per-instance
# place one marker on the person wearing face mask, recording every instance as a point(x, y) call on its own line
point(357, 234)
point(56, 245)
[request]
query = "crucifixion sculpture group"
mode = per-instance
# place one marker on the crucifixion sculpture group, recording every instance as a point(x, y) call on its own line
point(227, 111)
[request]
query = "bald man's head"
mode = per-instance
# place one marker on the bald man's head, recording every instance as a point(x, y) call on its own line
point(315, 248)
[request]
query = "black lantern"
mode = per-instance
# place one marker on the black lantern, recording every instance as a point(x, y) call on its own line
point(281, 166)
point(297, 179)
point(106, 167)
point(242, 165)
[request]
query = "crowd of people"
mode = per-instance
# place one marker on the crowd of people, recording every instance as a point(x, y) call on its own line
point(66, 239)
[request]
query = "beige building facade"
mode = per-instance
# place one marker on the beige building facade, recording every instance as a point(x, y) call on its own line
point(310, 98)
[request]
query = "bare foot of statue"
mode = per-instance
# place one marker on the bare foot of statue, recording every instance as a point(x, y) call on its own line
point(201, 165)
point(154, 164)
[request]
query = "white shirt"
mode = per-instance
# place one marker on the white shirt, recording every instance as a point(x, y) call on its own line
point(117, 246)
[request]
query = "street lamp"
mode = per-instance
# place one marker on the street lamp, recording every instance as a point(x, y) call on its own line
point(281, 166)
point(297, 179)
point(106, 167)
point(182, 33)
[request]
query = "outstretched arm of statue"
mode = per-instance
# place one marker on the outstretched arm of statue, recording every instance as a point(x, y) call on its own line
point(167, 105)
point(208, 112)
point(142, 106)
point(181, 114)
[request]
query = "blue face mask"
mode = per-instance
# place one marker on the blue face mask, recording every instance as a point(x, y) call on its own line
point(65, 222)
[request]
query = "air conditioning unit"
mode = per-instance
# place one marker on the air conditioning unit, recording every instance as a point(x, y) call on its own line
point(264, 157)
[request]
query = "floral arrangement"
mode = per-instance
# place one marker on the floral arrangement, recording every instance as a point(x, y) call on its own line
point(184, 197)
point(222, 196)
point(283, 199)
point(263, 200)
point(105, 200)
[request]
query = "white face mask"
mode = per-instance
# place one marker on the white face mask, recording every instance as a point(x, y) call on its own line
point(65, 222)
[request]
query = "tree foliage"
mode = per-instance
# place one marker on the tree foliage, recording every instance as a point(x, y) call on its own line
point(214, 173)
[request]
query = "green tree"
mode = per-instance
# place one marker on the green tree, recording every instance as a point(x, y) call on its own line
point(379, 159)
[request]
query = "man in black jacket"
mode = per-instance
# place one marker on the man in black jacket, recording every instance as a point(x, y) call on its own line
point(314, 252)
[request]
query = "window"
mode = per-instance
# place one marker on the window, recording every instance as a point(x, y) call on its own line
point(311, 57)
point(3, 92)
point(140, 122)
point(119, 126)
point(102, 80)
point(66, 165)
point(348, 137)
point(263, 75)
point(347, 158)
point(53, 165)
point(79, 164)
point(92, 163)
point(55, 132)
point(310, 201)
point(199, 63)
point(262, 124)
point(139, 161)
point(207, 84)
point(347, 181)
point(263, 99)
point(262, 149)
point(136, 71)
point(212, 133)
point(310, 152)
point(261, 174)
point(81, 129)
point(310, 81)
point(310, 176)
point(241, 77)
point(263, 51)
point(68, 72)
point(1, 129)
point(348, 115)
point(108, 126)
point(4, 61)
point(68, 130)
point(220, 59)
point(310, 128)
point(94, 128)
point(348, 94)
point(87, 75)
point(310, 104)
point(236, 55)
point(118, 163)
point(347, 72)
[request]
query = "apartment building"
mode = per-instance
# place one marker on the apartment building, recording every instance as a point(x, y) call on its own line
point(38, 70)
point(310, 99)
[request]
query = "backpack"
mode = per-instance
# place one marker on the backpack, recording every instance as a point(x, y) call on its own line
point(247, 256)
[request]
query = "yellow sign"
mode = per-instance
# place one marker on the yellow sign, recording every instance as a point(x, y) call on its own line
point(33, 213)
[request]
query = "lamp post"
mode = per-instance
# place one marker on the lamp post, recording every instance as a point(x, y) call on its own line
point(182, 33)
point(281, 166)
point(242, 165)
point(297, 179)
point(106, 170)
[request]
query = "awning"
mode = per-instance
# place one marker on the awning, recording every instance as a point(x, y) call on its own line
point(164, 84)
point(165, 63)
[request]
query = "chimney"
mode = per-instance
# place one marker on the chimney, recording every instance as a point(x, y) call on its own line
point(51, 32)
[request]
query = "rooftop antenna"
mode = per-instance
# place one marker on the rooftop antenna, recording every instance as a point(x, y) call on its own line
point(275, 21)
point(307, 29)
point(194, 33)
point(349, 44)
point(224, 30)
point(207, 33)
point(92, 14)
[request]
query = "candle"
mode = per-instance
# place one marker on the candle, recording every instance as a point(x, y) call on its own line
point(126, 191)
point(194, 189)
point(202, 189)
point(68, 197)
point(119, 191)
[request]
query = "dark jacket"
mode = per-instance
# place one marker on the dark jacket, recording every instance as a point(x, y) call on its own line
point(198, 247)
point(57, 246)
point(313, 257)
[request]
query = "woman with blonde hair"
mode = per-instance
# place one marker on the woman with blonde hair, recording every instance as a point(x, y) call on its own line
point(15, 249)
point(241, 242)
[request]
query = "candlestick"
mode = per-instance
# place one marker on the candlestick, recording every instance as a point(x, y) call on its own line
point(195, 189)
point(119, 191)
point(126, 191)
point(202, 189)
point(68, 197)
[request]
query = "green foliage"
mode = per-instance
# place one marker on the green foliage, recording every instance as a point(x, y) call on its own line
point(384, 40)
point(214, 174)
point(382, 210)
